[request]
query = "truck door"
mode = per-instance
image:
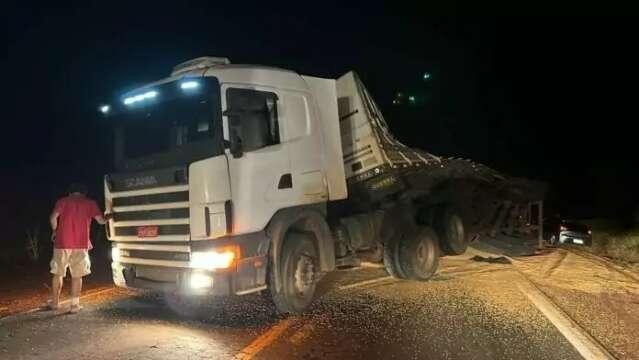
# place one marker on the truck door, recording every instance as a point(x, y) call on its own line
point(261, 179)
point(304, 138)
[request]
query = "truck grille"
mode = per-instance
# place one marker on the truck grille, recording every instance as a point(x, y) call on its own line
point(157, 198)
point(163, 214)
point(162, 230)
point(165, 207)
point(160, 198)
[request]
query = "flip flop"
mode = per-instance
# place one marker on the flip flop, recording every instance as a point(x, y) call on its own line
point(74, 309)
point(49, 306)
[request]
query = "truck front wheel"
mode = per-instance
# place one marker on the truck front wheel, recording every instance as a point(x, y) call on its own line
point(419, 255)
point(299, 271)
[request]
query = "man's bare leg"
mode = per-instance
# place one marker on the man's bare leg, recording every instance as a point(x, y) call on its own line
point(76, 288)
point(56, 288)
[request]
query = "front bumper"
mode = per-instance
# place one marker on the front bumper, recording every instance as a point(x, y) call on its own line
point(576, 238)
point(247, 274)
point(175, 280)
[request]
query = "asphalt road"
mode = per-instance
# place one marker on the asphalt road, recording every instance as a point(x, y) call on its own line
point(470, 310)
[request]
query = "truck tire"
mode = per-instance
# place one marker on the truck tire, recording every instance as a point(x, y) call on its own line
point(451, 228)
point(299, 266)
point(391, 258)
point(419, 254)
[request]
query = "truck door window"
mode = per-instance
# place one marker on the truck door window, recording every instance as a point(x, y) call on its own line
point(253, 117)
point(297, 117)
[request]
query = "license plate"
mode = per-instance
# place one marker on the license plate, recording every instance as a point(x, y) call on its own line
point(578, 241)
point(147, 231)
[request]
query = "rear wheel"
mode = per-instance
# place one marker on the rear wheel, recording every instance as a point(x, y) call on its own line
point(391, 257)
point(299, 270)
point(419, 254)
point(451, 229)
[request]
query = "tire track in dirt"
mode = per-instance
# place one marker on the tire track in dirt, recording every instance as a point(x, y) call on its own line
point(607, 263)
point(557, 263)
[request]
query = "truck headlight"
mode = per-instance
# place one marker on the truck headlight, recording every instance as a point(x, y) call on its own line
point(216, 259)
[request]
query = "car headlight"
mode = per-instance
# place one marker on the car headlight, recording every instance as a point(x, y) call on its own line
point(216, 259)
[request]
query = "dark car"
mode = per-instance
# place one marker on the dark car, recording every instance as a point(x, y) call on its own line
point(569, 232)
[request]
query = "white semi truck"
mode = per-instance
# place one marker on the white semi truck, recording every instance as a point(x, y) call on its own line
point(234, 179)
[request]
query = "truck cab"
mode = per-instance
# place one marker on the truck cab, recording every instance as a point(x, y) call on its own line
point(205, 160)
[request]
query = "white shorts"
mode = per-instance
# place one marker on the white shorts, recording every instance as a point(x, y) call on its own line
point(77, 260)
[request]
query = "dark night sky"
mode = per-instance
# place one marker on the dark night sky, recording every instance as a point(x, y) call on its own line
point(547, 98)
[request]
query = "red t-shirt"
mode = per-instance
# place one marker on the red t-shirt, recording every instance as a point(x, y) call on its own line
point(76, 212)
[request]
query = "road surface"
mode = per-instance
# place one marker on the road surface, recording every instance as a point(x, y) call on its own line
point(557, 305)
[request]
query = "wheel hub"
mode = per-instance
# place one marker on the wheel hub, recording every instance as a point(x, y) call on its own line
point(304, 274)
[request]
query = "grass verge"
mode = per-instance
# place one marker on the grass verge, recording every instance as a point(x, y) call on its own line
point(614, 240)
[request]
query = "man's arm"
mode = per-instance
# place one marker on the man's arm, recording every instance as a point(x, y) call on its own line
point(53, 221)
point(102, 219)
point(99, 216)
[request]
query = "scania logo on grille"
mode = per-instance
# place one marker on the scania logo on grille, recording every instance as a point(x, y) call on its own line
point(140, 181)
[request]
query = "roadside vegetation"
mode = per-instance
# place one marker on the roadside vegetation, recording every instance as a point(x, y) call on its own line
point(615, 240)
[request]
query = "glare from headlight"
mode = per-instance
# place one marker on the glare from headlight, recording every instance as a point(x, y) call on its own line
point(212, 260)
point(199, 281)
point(115, 254)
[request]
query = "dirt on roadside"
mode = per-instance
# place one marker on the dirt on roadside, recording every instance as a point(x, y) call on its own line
point(27, 287)
point(600, 298)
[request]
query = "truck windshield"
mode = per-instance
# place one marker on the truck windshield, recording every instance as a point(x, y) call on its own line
point(174, 127)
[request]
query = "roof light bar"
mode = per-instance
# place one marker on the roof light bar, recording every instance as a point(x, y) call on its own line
point(140, 97)
point(189, 85)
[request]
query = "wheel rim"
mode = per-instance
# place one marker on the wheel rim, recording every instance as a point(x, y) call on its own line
point(304, 275)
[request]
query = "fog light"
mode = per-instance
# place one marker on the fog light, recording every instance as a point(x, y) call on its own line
point(211, 260)
point(200, 281)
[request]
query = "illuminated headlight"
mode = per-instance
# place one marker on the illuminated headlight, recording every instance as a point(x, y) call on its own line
point(105, 109)
point(200, 281)
point(189, 85)
point(212, 260)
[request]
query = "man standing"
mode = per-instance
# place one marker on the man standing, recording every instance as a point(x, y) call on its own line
point(70, 225)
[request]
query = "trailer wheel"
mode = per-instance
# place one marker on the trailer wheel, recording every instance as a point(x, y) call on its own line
point(419, 254)
point(451, 229)
point(391, 258)
point(299, 269)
